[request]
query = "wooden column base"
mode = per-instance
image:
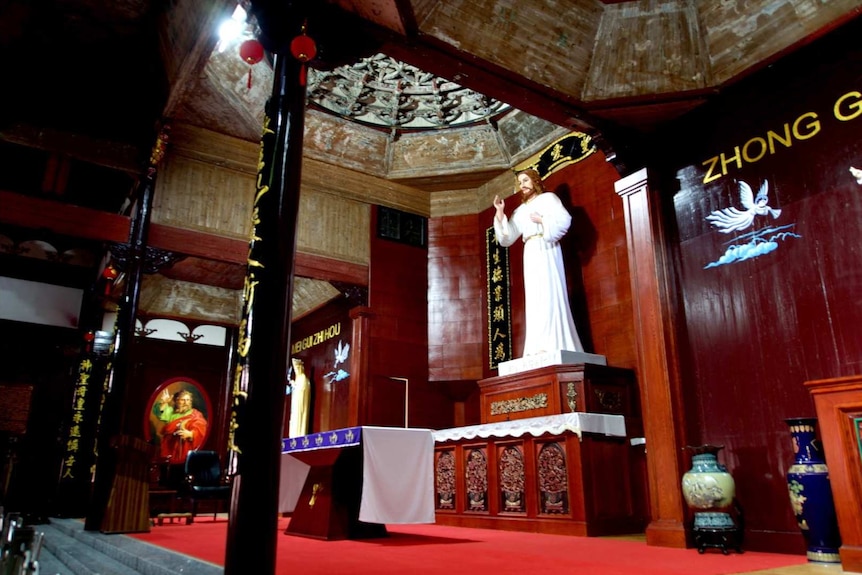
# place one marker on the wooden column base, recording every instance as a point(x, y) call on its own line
point(667, 534)
point(851, 558)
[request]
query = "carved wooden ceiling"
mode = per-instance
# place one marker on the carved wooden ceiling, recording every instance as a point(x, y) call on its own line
point(102, 73)
point(92, 79)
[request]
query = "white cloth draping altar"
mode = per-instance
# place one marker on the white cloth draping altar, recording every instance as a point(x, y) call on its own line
point(577, 422)
point(397, 476)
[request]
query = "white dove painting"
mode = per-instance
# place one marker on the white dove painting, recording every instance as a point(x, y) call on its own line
point(342, 352)
point(757, 242)
point(732, 219)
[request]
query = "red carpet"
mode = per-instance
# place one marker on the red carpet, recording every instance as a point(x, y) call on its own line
point(440, 550)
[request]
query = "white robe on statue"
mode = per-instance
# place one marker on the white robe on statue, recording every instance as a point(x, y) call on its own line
point(549, 323)
point(300, 398)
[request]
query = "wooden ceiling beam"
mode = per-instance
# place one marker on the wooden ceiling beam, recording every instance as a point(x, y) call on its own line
point(75, 221)
point(62, 219)
point(115, 155)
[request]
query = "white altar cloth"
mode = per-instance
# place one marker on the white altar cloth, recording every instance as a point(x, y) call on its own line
point(577, 422)
point(397, 476)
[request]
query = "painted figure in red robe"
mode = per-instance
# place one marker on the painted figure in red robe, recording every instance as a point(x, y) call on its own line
point(184, 427)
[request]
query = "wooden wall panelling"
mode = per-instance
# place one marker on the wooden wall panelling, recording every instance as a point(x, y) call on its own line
point(202, 196)
point(456, 303)
point(617, 483)
point(596, 251)
point(333, 227)
point(801, 297)
point(398, 341)
point(220, 150)
point(156, 361)
point(318, 176)
point(597, 260)
point(217, 200)
point(314, 339)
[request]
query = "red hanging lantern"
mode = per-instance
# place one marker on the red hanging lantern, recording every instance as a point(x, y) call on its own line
point(109, 274)
point(251, 52)
point(89, 338)
point(303, 49)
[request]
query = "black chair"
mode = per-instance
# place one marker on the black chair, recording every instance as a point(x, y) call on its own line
point(205, 480)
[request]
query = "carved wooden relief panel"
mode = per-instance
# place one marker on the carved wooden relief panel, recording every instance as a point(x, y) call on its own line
point(511, 477)
point(553, 479)
point(444, 479)
point(476, 466)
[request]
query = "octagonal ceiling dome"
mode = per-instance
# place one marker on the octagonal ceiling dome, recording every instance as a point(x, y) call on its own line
point(385, 93)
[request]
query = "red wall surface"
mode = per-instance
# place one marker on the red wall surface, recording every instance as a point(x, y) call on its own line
point(156, 361)
point(596, 263)
point(329, 394)
point(398, 299)
point(758, 328)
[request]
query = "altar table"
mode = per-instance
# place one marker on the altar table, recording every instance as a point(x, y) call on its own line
point(349, 483)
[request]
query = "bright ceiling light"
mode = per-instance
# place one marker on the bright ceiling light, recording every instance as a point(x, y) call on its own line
point(232, 28)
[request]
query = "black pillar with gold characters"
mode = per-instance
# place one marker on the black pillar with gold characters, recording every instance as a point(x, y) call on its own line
point(113, 401)
point(264, 333)
point(79, 438)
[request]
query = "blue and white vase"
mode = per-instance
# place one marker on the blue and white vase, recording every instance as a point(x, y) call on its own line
point(811, 493)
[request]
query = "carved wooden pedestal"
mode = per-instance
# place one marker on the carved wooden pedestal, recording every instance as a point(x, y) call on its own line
point(564, 478)
point(551, 390)
point(546, 475)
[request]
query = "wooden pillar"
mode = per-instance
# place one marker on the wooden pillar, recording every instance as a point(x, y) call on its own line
point(113, 407)
point(658, 369)
point(838, 403)
point(264, 334)
point(359, 371)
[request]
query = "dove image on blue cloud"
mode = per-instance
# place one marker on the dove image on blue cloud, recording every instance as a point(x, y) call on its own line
point(732, 219)
point(342, 352)
point(755, 243)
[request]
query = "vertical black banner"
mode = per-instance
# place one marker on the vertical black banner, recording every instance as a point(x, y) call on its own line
point(499, 306)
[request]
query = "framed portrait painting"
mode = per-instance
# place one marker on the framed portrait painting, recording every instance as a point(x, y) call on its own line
point(177, 418)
